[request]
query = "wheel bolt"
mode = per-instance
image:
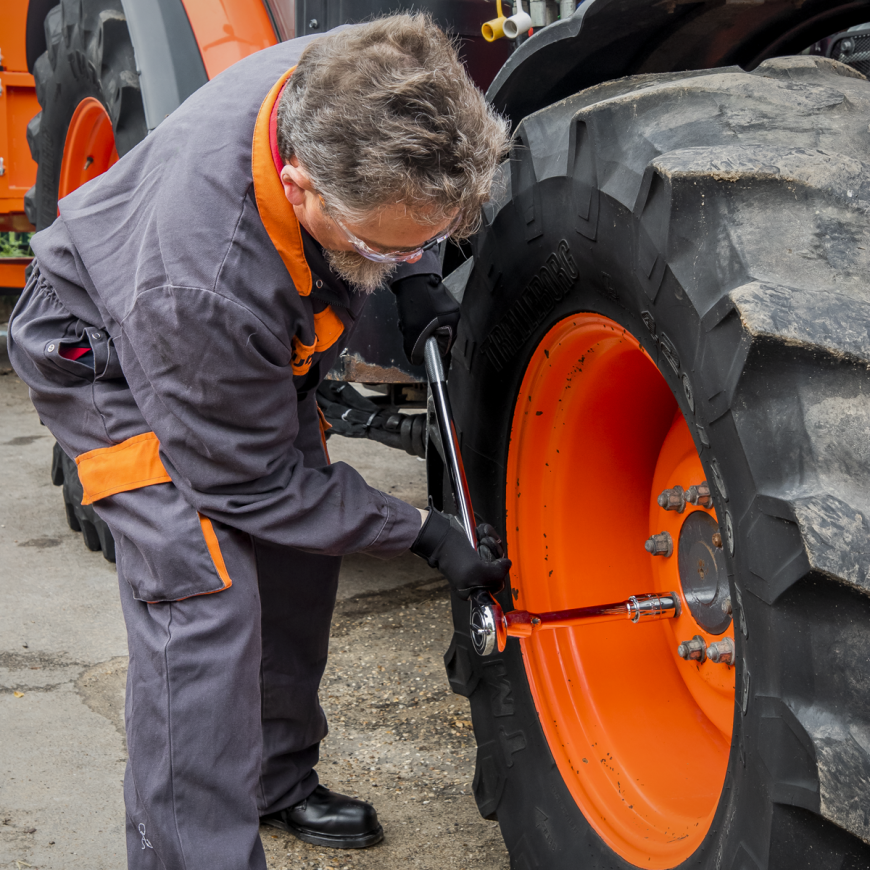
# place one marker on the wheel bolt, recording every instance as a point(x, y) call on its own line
point(700, 495)
point(661, 544)
point(726, 604)
point(673, 499)
point(721, 652)
point(694, 650)
point(717, 540)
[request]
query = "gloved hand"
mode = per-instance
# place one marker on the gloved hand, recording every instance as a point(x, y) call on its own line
point(425, 306)
point(442, 542)
point(489, 544)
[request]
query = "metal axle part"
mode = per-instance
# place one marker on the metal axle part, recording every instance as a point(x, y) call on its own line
point(700, 495)
point(694, 650)
point(721, 652)
point(673, 499)
point(661, 544)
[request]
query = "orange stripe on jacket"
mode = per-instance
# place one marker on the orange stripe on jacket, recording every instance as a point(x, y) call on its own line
point(132, 464)
point(277, 214)
point(214, 549)
point(282, 226)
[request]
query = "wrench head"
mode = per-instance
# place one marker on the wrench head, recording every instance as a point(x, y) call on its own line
point(487, 628)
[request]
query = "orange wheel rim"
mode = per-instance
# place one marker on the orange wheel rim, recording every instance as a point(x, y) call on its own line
point(640, 736)
point(89, 149)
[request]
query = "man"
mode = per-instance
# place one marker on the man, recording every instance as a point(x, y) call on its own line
point(182, 310)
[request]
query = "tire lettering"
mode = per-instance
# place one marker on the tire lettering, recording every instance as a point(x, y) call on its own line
point(565, 253)
point(501, 698)
point(542, 823)
point(560, 276)
point(669, 352)
point(545, 289)
point(511, 744)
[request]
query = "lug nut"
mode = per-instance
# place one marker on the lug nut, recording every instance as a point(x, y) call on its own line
point(717, 540)
point(673, 499)
point(661, 544)
point(700, 495)
point(694, 650)
point(721, 652)
point(726, 604)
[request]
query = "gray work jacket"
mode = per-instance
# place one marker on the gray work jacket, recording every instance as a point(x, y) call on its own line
point(211, 303)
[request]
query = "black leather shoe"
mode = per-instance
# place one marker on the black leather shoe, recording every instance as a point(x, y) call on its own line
point(325, 818)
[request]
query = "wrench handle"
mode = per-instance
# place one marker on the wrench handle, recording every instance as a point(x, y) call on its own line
point(444, 415)
point(488, 632)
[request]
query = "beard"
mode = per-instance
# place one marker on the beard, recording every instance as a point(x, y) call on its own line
point(363, 275)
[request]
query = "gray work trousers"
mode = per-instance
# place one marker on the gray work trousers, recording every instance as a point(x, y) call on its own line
point(223, 721)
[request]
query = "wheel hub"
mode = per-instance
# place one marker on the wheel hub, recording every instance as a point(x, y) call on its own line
point(702, 572)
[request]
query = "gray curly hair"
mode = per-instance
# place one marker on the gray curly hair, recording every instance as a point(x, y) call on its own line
point(385, 113)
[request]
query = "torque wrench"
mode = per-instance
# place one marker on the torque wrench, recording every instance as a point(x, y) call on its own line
point(523, 623)
point(490, 626)
point(486, 613)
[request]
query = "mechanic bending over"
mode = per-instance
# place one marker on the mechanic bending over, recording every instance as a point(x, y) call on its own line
point(181, 312)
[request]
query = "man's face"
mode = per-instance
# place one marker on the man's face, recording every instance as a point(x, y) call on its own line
point(392, 228)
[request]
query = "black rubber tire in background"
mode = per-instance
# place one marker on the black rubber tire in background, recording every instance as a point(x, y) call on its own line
point(722, 218)
point(79, 517)
point(89, 54)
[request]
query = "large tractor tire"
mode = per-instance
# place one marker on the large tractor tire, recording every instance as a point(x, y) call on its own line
point(672, 293)
point(92, 110)
point(92, 113)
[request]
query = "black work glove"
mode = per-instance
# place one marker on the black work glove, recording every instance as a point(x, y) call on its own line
point(425, 306)
point(442, 542)
point(489, 544)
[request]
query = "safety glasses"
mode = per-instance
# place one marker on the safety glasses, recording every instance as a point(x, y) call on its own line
point(398, 256)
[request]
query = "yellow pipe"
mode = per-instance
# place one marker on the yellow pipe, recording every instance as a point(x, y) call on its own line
point(493, 30)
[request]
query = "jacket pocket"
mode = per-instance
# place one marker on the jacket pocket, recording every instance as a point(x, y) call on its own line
point(166, 550)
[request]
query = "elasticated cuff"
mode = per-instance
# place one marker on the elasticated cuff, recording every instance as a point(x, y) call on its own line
point(431, 536)
point(399, 531)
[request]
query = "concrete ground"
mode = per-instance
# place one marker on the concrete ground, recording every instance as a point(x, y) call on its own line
point(399, 737)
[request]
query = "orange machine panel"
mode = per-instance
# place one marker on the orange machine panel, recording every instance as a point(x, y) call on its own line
point(13, 30)
point(17, 168)
point(228, 30)
point(12, 272)
point(17, 106)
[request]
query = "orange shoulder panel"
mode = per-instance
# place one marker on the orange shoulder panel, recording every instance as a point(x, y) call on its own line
point(277, 214)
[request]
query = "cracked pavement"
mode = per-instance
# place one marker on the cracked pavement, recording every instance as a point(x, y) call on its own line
point(398, 737)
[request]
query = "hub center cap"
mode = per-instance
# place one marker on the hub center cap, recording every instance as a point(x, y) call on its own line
point(702, 572)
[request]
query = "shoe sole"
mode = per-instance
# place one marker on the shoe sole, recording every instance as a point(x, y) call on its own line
point(357, 841)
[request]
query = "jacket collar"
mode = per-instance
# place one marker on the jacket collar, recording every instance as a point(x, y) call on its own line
point(277, 214)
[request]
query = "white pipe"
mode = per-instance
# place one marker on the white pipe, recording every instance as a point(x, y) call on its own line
point(518, 23)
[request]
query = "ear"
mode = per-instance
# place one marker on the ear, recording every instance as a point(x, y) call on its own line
point(295, 182)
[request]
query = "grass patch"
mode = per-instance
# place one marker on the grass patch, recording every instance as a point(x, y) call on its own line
point(15, 245)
